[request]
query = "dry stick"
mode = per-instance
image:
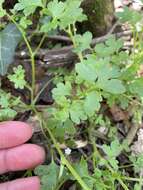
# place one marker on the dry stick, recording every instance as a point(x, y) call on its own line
point(67, 49)
point(131, 134)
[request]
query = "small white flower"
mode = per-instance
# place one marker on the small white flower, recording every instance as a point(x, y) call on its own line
point(68, 151)
point(23, 53)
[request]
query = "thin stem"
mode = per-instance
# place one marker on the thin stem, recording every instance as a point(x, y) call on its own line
point(33, 77)
point(63, 159)
point(73, 40)
point(131, 179)
point(123, 184)
point(40, 44)
point(40, 92)
point(30, 52)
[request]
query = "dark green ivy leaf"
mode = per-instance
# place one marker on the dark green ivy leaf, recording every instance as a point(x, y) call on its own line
point(9, 39)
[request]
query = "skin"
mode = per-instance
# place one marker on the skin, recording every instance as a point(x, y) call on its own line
point(16, 156)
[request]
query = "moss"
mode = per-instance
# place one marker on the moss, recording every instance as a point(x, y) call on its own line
point(100, 15)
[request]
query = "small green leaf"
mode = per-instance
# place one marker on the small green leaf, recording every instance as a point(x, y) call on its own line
point(77, 113)
point(113, 150)
point(113, 86)
point(72, 14)
point(18, 78)
point(92, 103)
point(136, 87)
point(7, 114)
point(2, 11)
point(28, 6)
point(69, 127)
point(5, 100)
point(130, 16)
point(82, 41)
point(56, 8)
point(62, 90)
point(24, 22)
point(110, 47)
point(86, 72)
point(48, 174)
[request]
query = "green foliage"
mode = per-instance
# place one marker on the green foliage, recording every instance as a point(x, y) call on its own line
point(136, 86)
point(51, 175)
point(24, 22)
point(18, 78)
point(9, 39)
point(112, 152)
point(27, 6)
point(7, 103)
point(2, 11)
point(130, 16)
point(92, 103)
point(82, 42)
point(104, 75)
point(137, 161)
point(63, 14)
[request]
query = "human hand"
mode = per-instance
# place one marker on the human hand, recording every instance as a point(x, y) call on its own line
point(16, 156)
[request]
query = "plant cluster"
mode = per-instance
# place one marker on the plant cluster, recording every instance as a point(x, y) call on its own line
point(106, 73)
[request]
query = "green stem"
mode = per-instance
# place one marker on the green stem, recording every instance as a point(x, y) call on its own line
point(63, 159)
point(40, 92)
point(131, 179)
point(122, 184)
point(31, 55)
point(73, 40)
point(40, 44)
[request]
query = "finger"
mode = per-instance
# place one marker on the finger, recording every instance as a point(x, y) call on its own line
point(13, 133)
point(21, 157)
point(32, 183)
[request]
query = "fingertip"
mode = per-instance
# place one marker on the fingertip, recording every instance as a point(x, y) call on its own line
point(24, 157)
point(31, 183)
point(14, 133)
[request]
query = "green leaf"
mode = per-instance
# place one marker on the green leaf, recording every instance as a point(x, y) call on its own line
point(18, 78)
point(130, 16)
point(82, 41)
point(28, 6)
point(24, 22)
point(92, 103)
point(106, 71)
point(5, 100)
point(77, 113)
point(113, 150)
point(48, 174)
point(137, 162)
point(86, 72)
point(137, 186)
point(72, 14)
point(110, 47)
point(56, 8)
point(9, 39)
point(69, 127)
point(62, 90)
point(82, 170)
point(113, 86)
point(7, 114)
point(2, 11)
point(136, 87)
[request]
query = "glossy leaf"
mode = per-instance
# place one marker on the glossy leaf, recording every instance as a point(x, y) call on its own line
point(9, 39)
